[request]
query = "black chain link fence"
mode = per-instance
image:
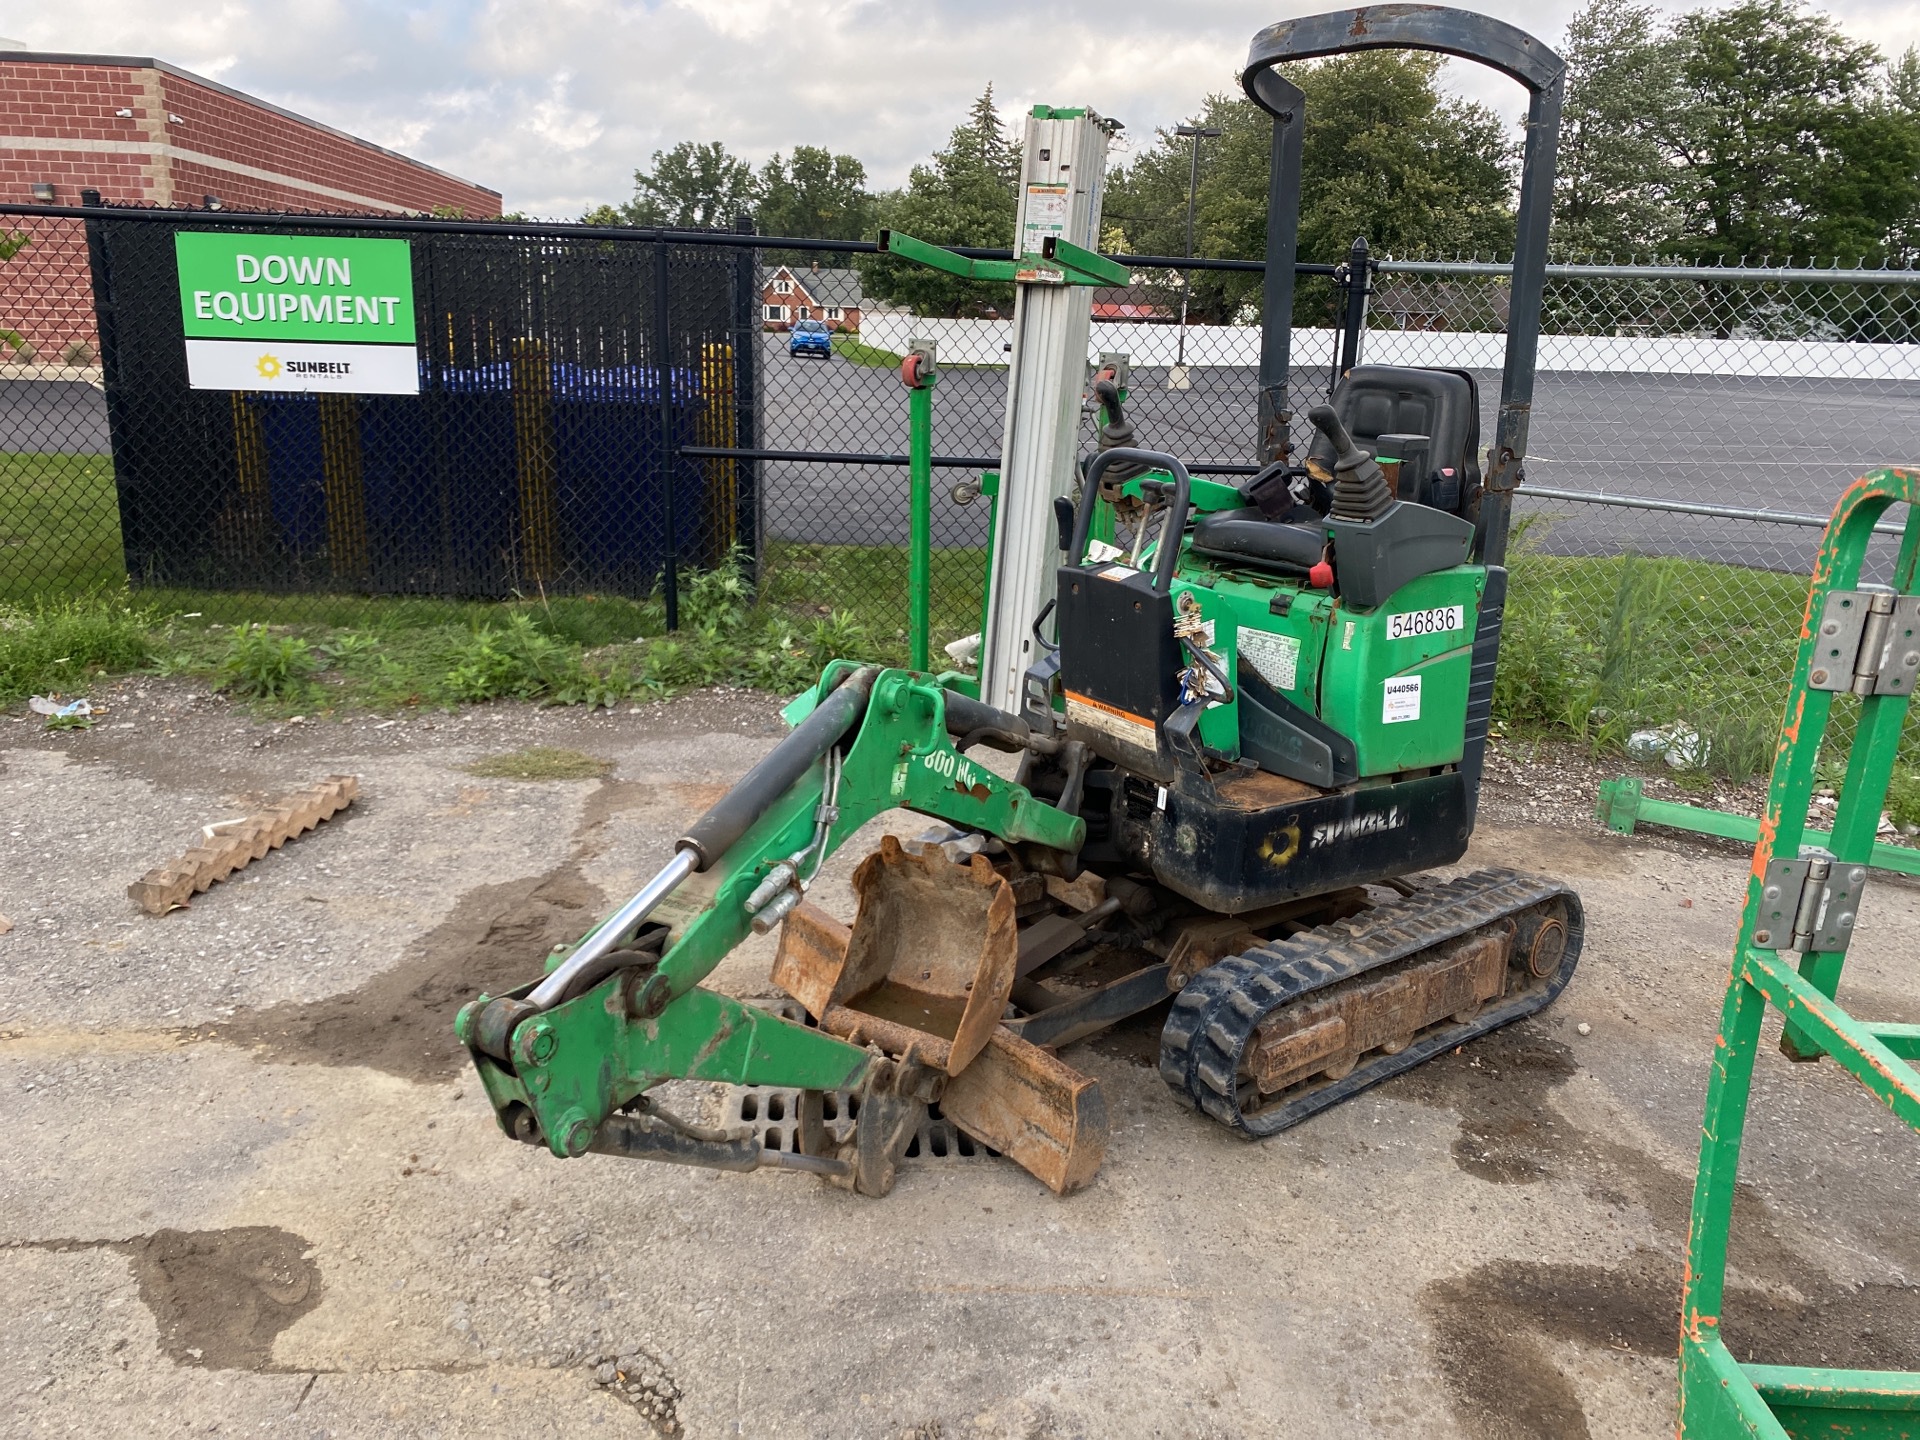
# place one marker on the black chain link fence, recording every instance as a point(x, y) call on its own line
point(560, 377)
point(602, 411)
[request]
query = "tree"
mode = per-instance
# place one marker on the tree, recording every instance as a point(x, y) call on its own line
point(966, 195)
point(1384, 154)
point(1794, 142)
point(816, 195)
point(693, 186)
point(1617, 192)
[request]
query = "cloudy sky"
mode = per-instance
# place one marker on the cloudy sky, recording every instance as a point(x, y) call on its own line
point(554, 102)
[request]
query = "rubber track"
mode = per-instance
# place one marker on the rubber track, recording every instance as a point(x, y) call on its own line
point(1214, 1017)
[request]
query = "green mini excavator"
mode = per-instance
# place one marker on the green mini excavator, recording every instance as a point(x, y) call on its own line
point(1262, 712)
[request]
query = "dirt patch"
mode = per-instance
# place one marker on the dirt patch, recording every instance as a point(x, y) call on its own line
point(221, 1297)
point(1509, 1134)
point(1492, 1327)
point(401, 1021)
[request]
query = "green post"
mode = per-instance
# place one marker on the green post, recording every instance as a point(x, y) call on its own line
point(918, 371)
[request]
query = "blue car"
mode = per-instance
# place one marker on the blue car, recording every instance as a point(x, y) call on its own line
point(810, 337)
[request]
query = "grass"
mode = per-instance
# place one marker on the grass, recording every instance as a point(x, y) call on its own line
point(849, 347)
point(1599, 648)
point(59, 647)
point(540, 762)
point(59, 527)
point(1595, 648)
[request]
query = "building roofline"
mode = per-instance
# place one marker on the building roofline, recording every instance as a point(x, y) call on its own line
point(146, 62)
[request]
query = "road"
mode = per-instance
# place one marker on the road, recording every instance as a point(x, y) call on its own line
point(1768, 444)
point(252, 1187)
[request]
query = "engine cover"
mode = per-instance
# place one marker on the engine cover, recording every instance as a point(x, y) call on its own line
point(1255, 839)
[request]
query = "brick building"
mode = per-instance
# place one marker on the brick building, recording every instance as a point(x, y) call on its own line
point(143, 132)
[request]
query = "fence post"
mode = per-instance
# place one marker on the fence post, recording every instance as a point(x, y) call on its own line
point(746, 380)
point(669, 453)
point(100, 272)
point(1359, 285)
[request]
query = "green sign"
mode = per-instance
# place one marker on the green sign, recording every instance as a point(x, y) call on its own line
point(295, 287)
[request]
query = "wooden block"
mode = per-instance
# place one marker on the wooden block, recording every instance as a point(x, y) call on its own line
point(168, 887)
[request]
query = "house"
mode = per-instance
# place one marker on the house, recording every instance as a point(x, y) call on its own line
point(810, 292)
point(1423, 304)
point(1123, 305)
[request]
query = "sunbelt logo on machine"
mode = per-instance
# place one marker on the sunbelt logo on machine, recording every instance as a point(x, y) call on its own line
point(295, 312)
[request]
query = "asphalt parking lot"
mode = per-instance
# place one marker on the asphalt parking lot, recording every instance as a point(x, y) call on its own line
point(249, 1186)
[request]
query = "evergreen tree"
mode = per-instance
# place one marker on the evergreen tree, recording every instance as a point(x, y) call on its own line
point(965, 195)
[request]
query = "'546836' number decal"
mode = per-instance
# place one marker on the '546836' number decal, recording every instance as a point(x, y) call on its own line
point(1426, 622)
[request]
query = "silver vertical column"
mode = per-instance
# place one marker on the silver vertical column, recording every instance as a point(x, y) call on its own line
point(1064, 171)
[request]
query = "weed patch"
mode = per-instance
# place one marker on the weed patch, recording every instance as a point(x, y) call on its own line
point(60, 646)
point(540, 762)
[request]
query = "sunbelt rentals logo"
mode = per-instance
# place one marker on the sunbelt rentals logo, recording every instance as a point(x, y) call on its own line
point(268, 367)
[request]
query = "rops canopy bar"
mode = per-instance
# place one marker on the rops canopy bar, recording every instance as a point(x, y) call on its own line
point(1447, 32)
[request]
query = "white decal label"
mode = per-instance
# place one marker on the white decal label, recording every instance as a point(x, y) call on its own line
point(1374, 822)
point(1098, 550)
point(1046, 215)
point(1402, 700)
point(1274, 658)
point(1437, 621)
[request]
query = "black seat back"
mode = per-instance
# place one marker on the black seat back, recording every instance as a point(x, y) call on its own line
point(1376, 400)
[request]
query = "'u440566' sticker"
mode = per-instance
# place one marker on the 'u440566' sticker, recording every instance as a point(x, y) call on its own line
point(1426, 622)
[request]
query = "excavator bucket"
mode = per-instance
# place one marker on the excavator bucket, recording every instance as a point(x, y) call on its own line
point(933, 949)
point(925, 971)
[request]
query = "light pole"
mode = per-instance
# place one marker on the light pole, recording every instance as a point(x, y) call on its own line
point(1197, 132)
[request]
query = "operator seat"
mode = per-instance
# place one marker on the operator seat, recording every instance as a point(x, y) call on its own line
point(1404, 400)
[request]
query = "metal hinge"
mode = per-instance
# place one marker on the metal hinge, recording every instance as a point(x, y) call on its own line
point(1868, 642)
point(1809, 904)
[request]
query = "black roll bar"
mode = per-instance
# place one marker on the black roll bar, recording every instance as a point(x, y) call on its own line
point(1446, 31)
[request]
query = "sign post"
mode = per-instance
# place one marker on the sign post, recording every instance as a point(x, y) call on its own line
point(297, 313)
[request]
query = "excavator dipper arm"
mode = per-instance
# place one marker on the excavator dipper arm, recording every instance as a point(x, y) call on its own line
point(566, 1061)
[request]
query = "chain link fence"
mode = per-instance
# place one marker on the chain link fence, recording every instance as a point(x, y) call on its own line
point(603, 410)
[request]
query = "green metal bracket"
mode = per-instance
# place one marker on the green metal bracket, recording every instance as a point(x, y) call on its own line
point(1622, 805)
point(1059, 263)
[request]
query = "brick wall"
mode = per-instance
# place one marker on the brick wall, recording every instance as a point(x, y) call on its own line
point(183, 140)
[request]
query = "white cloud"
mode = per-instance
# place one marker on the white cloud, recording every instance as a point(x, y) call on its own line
point(556, 103)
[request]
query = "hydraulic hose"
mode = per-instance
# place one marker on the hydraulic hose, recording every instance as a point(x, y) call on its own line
point(715, 832)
